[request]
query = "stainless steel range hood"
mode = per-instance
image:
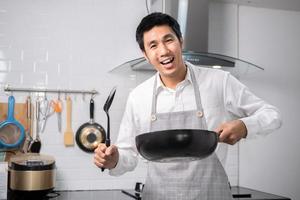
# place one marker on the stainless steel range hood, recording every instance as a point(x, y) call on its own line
point(192, 15)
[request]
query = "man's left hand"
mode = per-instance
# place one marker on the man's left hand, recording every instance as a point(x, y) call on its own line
point(231, 132)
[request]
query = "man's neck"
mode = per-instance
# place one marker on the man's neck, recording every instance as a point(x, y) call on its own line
point(171, 82)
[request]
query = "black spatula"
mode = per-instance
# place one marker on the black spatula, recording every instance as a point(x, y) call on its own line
point(106, 107)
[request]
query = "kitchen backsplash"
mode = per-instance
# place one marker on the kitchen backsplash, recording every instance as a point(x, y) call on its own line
point(67, 44)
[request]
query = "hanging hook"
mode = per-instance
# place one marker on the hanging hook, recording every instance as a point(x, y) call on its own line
point(6, 89)
point(94, 92)
point(93, 95)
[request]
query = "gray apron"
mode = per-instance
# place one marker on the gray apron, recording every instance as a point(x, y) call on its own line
point(186, 179)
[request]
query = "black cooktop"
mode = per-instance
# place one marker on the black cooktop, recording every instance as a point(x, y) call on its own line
point(239, 193)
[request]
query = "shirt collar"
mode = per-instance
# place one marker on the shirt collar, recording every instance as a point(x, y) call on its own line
point(160, 86)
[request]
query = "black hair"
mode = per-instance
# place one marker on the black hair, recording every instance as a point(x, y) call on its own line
point(152, 20)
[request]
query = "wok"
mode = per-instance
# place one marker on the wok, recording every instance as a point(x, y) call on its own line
point(171, 145)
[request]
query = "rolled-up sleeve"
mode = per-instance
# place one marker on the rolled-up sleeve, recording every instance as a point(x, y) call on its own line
point(259, 116)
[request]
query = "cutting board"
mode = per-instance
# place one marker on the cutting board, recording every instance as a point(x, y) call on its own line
point(20, 115)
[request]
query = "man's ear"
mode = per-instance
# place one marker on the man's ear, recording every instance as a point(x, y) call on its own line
point(145, 56)
point(181, 42)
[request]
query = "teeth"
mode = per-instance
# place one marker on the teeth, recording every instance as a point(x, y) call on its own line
point(167, 61)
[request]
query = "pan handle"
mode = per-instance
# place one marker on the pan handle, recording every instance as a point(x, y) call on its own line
point(92, 106)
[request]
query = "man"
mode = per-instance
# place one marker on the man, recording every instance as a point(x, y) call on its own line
point(183, 96)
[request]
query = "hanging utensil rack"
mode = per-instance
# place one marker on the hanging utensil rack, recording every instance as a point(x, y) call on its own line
point(8, 88)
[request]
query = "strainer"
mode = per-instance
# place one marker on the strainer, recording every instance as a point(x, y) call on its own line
point(12, 133)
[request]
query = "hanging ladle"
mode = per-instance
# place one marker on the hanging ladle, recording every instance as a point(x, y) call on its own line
point(106, 108)
point(35, 145)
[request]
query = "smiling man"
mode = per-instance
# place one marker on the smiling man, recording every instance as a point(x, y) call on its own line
point(183, 96)
point(163, 49)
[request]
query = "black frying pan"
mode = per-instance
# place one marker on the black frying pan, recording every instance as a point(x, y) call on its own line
point(170, 145)
point(90, 134)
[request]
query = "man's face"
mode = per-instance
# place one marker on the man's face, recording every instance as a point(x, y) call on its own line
point(164, 51)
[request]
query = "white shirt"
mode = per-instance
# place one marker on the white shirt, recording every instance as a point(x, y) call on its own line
point(223, 98)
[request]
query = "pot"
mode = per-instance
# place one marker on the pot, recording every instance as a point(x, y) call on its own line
point(90, 134)
point(31, 172)
point(173, 145)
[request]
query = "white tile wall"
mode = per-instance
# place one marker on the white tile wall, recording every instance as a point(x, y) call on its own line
point(72, 44)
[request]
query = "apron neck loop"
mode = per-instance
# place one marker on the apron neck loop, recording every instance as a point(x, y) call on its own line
point(196, 92)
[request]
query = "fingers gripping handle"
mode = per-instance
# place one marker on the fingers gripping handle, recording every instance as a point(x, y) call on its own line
point(107, 143)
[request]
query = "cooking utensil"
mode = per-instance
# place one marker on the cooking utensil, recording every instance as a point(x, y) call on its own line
point(90, 134)
point(20, 112)
point(57, 108)
point(172, 145)
point(36, 144)
point(68, 135)
point(12, 133)
point(28, 137)
point(106, 107)
point(45, 112)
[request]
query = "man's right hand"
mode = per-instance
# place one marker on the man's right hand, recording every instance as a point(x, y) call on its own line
point(106, 157)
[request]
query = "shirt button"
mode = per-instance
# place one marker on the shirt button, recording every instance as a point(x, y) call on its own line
point(199, 114)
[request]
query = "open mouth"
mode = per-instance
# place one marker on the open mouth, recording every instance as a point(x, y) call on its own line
point(167, 61)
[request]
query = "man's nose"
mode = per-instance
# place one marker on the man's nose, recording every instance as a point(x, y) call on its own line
point(163, 50)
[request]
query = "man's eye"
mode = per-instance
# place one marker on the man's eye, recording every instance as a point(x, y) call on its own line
point(152, 46)
point(169, 40)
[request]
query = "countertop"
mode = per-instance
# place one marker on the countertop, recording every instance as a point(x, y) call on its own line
point(118, 195)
